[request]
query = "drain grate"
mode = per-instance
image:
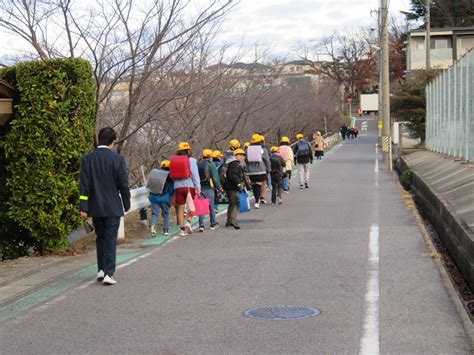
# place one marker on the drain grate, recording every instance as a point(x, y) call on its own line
point(282, 312)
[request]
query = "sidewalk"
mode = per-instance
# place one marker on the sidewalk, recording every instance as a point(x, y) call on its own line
point(21, 276)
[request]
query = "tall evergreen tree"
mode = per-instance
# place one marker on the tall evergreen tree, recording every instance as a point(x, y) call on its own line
point(444, 13)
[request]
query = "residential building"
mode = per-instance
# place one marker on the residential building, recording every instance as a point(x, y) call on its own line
point(447, 46)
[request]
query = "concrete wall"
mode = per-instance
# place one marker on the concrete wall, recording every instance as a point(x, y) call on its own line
point(444, 189)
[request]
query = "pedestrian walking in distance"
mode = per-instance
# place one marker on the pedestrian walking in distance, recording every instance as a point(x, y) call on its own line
point(303, 159)
point(103, 185)
point(233, 179)
point(318, 145)
point(278, 168)
point(344, 131)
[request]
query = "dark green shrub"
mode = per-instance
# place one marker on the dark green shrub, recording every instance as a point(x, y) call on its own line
point(406, 179)
point(53, 126)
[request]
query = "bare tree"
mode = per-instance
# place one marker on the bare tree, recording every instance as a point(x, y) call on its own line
point(351, 61)
point(159, 80)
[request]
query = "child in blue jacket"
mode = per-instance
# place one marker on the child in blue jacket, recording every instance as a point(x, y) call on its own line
point(162, 202)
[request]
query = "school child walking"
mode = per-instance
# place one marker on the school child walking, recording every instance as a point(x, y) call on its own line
point(303, 158)
point(277, 170)
point(185, 174)
point(286, 153)
point(161, 189)
point(233, 179)
point(257, 165)
point(210, 182)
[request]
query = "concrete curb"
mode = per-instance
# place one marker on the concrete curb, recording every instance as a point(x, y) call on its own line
point(446, 279)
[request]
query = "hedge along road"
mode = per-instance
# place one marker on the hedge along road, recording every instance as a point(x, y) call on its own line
point(347, 246)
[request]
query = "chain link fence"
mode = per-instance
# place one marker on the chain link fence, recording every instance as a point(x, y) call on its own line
point(450, 110)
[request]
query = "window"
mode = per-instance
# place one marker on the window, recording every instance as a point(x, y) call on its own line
point(441, 43)
point(419, 44)
point(467, 42)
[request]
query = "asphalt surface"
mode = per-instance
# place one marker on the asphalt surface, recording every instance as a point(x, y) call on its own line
point(188, 296)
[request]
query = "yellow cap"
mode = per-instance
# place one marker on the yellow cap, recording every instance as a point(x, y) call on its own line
point(184, 146)
point(207, 153)
point(234, 143)
point(165, 164)
point(246, 145)
point(274, 149)
point(217, 154)
point(285, 140)
point(299, 136)
point(239, 151)
point(256, 138)
point(262, 138)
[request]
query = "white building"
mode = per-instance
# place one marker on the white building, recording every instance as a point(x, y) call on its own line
point(447, 45)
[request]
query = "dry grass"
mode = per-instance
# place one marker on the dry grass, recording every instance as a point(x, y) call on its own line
point(410, 203)
point(134, 230)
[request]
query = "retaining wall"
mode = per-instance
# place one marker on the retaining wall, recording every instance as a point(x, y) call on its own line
point(444, 189)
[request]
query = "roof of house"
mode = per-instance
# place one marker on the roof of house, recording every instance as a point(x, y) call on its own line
point(446, 29)
point(6, 90)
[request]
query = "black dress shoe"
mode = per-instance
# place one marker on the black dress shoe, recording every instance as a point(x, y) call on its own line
point(228, 224)
point(235, 225)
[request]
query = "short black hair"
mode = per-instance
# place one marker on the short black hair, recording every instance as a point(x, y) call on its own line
point(107, 135)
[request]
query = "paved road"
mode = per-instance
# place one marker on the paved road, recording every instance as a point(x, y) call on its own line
point(347, 246)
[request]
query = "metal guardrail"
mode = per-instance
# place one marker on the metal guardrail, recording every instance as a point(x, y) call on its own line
point(139, 196)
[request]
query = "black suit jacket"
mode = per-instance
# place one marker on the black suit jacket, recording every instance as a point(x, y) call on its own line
point(103, 176)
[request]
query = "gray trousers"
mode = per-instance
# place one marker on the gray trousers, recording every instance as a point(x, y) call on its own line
point(303, 173)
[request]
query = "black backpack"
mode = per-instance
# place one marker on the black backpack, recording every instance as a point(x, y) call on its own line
point(204, 167)
point(303, 149)
point(223, 173)
point(276, 163)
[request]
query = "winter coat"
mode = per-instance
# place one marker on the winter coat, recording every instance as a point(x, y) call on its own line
point(278, 163)
point(259, 168)
point(291, 157)
point(214, 182)
point(319, 144)
point(235, 175)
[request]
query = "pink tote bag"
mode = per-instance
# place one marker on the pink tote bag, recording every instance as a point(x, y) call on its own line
point(201, 206)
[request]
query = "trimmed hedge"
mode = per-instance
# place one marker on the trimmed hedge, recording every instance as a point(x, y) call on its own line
point(53, 126)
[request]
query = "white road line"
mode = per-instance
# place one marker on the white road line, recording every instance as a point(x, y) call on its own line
point(369, 343)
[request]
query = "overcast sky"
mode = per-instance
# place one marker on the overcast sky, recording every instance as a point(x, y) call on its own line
point(279, 27)
point(283, 25)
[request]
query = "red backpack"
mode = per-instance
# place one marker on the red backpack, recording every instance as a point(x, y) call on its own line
point(180, 167)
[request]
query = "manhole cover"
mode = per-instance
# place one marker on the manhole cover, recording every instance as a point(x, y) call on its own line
point(281, 312)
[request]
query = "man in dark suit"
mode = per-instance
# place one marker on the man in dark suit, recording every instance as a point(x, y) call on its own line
point(103, 176)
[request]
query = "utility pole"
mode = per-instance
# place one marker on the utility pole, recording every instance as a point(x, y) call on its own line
point(428, 35)
point(386, 135)
point(379, 70)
